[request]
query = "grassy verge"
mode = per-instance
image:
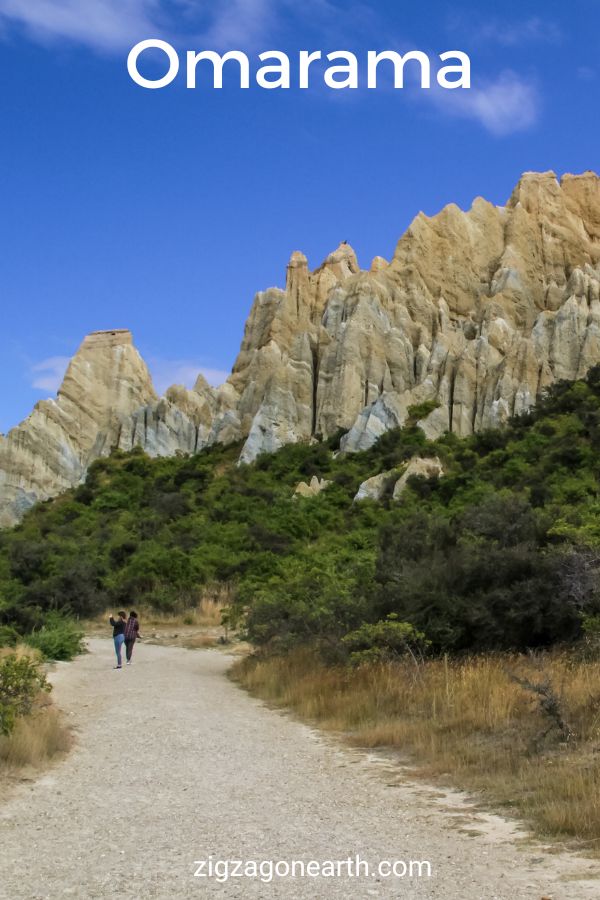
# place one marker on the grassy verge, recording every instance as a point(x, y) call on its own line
point(35, 741)
point(525, 731)
point(36, 736)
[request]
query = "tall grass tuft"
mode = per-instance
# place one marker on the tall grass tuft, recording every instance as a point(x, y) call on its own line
point(35, 740)
point(36, 736)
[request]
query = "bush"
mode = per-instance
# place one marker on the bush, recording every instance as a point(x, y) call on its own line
point(21, 680)
point(58, 638)
point(420, 411)
point(316, 599)
point(9, 637)
point(384, 641)
point(485, 580)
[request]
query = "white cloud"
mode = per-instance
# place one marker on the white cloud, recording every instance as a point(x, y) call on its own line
point(105, 24)
point(48, 374)
point(504, 106)
point(115, 24)
point(508, 33)
point(239, 23)
point(527, 31)
point(112, 25)
point(166, 372)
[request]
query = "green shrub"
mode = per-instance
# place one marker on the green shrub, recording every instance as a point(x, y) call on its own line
point(485, 579)
point(385, 640)
point(420, 411)
point(21, 680)
point(8, 636)
point(58, 638)
point(591, 627)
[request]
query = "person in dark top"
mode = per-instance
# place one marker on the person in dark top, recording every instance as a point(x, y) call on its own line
point(118, 626)
point(132, 631)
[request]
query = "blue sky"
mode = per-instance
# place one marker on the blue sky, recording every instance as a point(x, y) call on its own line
point(165, 211)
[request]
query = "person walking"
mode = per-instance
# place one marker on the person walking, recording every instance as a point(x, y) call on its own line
point(118, 626)
point(132, 632)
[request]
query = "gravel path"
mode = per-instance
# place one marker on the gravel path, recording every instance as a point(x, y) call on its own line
point(174, 764)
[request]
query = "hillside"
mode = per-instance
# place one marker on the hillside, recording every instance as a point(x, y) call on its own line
point(500, 552)
point(477, 313)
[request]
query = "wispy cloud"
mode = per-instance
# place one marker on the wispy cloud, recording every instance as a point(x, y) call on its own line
point(239, 23)
point(527, 31)
point(586, 73)
point(166, 372)
point(506, 33)
point(48, 374)
point(115, 24)
point(112, 25)
point(104, 24)
point(503, 106)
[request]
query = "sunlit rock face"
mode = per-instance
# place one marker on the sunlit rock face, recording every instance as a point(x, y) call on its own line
point(105, 382)
point(477, 312)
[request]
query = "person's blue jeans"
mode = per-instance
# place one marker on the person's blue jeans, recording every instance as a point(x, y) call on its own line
point(119, 641)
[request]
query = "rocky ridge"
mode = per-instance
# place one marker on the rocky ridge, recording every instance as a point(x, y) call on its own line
point(474, 316)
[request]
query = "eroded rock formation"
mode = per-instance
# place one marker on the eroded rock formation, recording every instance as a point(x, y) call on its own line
point(478, 311)
point(422, 467)
point(476, 314)
point(106, 381)
point(375, 487)
point(394, 482)
point(312, 488)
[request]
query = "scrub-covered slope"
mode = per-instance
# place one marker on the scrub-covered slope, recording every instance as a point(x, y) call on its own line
point(492, 544)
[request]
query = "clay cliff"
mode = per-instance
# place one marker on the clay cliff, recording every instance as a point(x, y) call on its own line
point(476, 314)
point(105, 383)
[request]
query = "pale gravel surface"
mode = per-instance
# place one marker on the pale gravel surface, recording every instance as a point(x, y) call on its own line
point(174, 763)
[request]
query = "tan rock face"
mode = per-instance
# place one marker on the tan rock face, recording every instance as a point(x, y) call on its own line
point(375, 487)
point(315, 487)
point(478, 311)
point(424, 467)
point(106, 381)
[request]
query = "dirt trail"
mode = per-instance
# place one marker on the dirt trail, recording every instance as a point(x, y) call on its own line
point(174, 764)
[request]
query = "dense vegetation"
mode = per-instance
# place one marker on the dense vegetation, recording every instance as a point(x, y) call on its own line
point(502, 552)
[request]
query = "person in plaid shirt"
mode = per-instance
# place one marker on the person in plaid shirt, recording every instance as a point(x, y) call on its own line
point(132, 632)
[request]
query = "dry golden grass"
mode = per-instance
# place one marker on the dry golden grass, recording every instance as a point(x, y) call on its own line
point(20, 650)
point(206, 611)
point(199, 641)
point(37, 737)
point(466, 722)
point(35, 740)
